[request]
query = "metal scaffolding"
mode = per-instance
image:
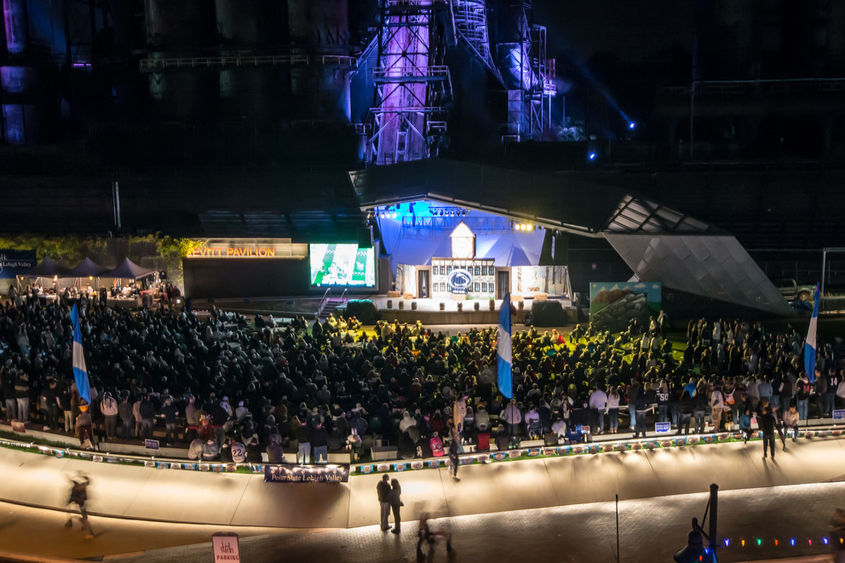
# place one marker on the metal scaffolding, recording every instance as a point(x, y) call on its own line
point(412, 84)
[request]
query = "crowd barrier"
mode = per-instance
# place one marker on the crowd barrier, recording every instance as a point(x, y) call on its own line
point(365, 468)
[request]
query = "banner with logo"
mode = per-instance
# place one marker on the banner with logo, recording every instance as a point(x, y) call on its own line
point(15, 262)
point(291, 473)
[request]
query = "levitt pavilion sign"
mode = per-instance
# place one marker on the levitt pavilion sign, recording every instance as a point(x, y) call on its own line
point(249, 248)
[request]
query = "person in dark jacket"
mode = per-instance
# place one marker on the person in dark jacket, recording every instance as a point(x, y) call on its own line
point(641, 403)
point(685, 406)
point(84, 428)
point(699, 408)
point(170, 419)
point(766, 421)
point(320, 441)
point(454, 460)
point(396, 503)
point(383, 491)
point(148, 412)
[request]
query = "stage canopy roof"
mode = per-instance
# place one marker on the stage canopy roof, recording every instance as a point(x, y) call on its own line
point(657, 242)
point(87, 268)
point(128, 270)
point(47, 269)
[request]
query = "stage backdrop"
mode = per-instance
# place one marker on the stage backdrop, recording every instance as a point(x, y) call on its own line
point(614, 304)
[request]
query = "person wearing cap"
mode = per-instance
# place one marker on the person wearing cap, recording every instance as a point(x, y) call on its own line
point(84, 427)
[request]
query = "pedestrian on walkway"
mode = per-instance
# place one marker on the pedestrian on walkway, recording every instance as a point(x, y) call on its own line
point(427, 535)
point(79, 496)
point(766, 421)
point(383, 491)
point(454, 460)
point(396, 504)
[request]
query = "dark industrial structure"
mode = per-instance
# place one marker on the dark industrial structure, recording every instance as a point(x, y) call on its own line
point(234, 118)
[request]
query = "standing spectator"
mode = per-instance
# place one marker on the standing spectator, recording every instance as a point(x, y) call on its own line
point(136, 413)
point(7, 381)
point(513, 417)
point(598, 406)
point(84, 427)
point(396, 503)
point(663, 397)
point(52, 399)
point(66, 402)
point(148, 412)
point(319, 441)
point(170, 420)
point(787, 388)
point(613, 409)
point(699, 408)
point(109, 410)
point(642, 407)
point(717, 406)
point(819, 390)
point(22, 396)
point(790, 422)
point(685, 406)
point(766, 422)
point(383, 492)
point(802, 396)
point(829, 394)
point(124, 410)
point(303, 437)
point(745, 425)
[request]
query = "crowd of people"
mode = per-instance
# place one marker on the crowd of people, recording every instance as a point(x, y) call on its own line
point(232, 389)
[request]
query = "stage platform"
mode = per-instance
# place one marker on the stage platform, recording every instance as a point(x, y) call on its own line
point(459, 312)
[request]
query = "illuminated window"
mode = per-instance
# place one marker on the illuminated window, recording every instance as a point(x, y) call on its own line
point(476, 286)
point(477, 271)
point(483, 287)
point(448, 270)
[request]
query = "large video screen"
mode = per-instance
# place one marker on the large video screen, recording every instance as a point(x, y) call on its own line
point(342, 264)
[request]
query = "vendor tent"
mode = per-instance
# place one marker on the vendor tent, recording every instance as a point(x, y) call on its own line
point(87, 268)
point(128, 270)
point(48, 268)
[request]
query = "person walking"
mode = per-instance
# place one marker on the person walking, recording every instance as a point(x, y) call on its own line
point(79, 497)
point(396, 504)
point(454, 460)
point(383, 492)
point(766, 421)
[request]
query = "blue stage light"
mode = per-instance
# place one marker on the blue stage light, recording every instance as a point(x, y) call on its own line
point(632, 125)
point(592, 156)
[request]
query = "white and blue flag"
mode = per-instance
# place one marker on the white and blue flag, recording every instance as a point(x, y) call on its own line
point(810, 342)
point(80, 372)
point(504, 349)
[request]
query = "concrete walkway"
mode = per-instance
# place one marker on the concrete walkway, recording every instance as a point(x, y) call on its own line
point(232, 499)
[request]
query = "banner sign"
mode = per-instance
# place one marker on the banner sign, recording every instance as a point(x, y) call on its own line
point(292, 473)
point(15, 262)
point(151, 444)
point(839, 414)
point(662, 426)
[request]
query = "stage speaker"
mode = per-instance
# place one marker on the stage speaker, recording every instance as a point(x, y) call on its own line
point(546, 252)
point(560, 251)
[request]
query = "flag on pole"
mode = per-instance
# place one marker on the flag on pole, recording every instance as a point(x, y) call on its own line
point(810, 342)
point(80, 372)
point(504, 349)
